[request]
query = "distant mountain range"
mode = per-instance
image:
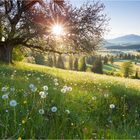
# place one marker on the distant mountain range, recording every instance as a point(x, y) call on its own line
point(124, 42)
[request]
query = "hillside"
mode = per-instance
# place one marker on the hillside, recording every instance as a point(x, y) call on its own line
point(39, 102)
point(127, 39)
point(131, 42)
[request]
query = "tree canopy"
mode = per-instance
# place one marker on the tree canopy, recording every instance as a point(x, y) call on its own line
point(29, 23)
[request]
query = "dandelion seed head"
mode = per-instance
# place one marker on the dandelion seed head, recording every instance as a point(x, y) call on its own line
point(13, 103)
point(41, 111)
point(54, 109)
point(4, 89)
point(112, 106)
point(5, 96)
point(45, 88)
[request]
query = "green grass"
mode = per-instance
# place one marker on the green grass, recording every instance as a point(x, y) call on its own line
point(88, 101)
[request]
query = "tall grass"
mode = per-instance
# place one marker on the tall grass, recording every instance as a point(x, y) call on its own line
point(77, 105)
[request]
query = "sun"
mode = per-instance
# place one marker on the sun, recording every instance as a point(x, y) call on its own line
point(57, 29)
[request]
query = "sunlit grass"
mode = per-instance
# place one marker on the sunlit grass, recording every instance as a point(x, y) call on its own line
point(76, 105)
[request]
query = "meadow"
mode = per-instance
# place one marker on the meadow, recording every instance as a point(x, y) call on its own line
point(40, 102)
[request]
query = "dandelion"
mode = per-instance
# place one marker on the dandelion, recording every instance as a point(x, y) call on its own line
point(54, 109)
point(63, 90)
point(69, 88)
point(5, 96)
point(24, 102)
point(56, 84)
point(67, 111)
point(41, 93)
point(45, 88)
point(112, 106)
point(4, 89)
point(65, 87)
point(31, 86)
point(55, 80)
point(13, 103)
point(41, 111)
point(19, 138)
point(34, 89)
point(43, 96)
point(23, 121)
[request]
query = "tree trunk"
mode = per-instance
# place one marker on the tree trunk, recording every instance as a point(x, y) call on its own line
point(6, 53)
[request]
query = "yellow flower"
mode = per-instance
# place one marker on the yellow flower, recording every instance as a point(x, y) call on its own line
point(19, 138)
point(25, 102)
point(23, 121)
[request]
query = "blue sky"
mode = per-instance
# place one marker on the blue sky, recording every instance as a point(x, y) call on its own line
point(124, 14)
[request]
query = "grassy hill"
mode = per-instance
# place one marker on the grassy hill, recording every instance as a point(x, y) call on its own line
point(41, 102)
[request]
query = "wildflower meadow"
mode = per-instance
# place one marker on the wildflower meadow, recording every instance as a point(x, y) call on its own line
point(39, 102)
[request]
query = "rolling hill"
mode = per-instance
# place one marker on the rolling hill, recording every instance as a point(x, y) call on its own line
point(39, 102)
point(131, 42)
point(127, 39)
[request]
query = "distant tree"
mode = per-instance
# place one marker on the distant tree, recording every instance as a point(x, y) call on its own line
point(70, 62)
point(76, 64)
point(50, 61)
point(54, 60)
point(127, 69)
point(82, 64)
point(137, 73)
point(111, 59)
point(60, 62)
point(39, 58)
point(97, 66)
point(105, 60)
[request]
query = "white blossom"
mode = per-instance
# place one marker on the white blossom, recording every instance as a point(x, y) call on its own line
point(41, 111)
point(54, 109)
point(13, 103)
point(5, 96)
point(112, 106)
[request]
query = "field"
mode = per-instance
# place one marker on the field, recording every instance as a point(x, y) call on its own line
point(39, 102)
point(116, 66)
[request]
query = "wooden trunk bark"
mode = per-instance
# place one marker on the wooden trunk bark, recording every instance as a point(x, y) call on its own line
point(6, 53)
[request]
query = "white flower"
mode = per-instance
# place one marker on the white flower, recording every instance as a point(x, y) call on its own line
point(65, 87)
point(55, 80)
point(4, 89)
point(34, 89)
point(56, 84)
point(43, 96)
point(31, 86)
point(5, 96)
point(112, 106)
point(63, 90)
point(45, 88)
point(54, 109)
point(41, 93)
point(13, 103)
point(67, 111)
point(41, 111)
point(69, 88)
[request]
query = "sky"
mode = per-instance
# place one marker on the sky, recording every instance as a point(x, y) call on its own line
point(124, 16)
